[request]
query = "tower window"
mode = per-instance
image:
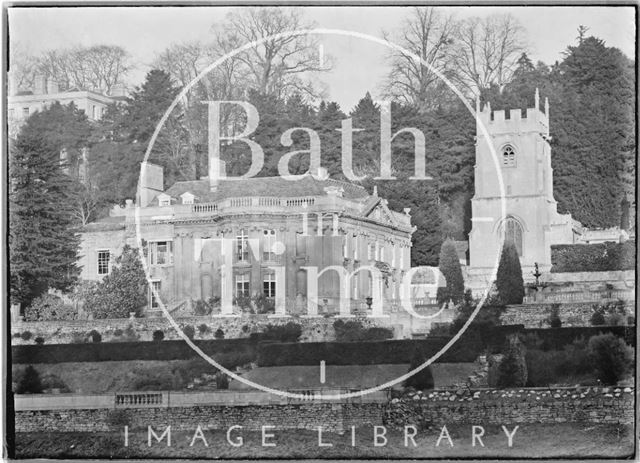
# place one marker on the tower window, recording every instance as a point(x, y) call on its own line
point(513, 234)
point(508, 156)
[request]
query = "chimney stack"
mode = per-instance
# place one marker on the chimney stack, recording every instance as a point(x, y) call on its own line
point(40, 87)
point(52, 86)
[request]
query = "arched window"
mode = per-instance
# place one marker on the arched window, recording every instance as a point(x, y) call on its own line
point(508, 156)
point(513, 234)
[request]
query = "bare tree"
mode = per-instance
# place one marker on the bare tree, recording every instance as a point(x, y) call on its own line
point(99, 67)
point(428, 34)
point(486, 51)
point(278, 66)
point(23, 67)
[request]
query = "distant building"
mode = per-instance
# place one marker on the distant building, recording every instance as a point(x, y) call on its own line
point(279, 229)
point(24, 103)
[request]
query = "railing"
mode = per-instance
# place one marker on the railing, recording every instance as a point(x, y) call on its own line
point(139, 399)
point(299, 202)
point(581, 296)
point(204, 207)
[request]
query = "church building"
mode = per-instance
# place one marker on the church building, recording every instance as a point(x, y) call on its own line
point(520, 140)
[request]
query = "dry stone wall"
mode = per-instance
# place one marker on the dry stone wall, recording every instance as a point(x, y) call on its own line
point(536, 315)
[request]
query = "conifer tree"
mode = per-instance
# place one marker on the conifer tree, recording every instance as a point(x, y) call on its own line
point(449, 265)
point(509, 282)
point(43, 242)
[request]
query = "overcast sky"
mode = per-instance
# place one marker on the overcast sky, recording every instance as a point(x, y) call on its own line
point(359, 65)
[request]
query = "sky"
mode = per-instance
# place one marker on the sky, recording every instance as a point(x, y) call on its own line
point(359, 65)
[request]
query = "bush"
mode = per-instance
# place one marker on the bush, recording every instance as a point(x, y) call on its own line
point(54, 382)
point(353, 330)
point(201, 308)
point(512, 371)
point(449, 266)
point(26, 335)
point(30, 382)
point(158, 335)
point(222, 381)
point(611, 356)
point(290, 332)
point(189, 331)
point(117, 332)
point(95, 336)
point(377, 333)
point(49, 307)
point(509, 282)
point(597, 317)
point(423, 379)
point(130, 334)
point(554, 318)
point(203, 329)
point(600, 257)
point(219, 334)
point(39, 340)
point(569, 364)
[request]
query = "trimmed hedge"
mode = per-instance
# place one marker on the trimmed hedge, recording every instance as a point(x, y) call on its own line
point(101, 352)
point(557, 338)
point(365, 352)
point(601, 257)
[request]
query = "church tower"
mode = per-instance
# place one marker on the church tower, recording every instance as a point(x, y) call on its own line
point(520, 141)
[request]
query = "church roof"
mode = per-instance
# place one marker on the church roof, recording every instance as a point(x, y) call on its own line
point(264, 186)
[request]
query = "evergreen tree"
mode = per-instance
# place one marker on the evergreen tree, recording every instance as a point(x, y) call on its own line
point(449, 265)
point(30, 382)
point(509, 282)
point(43, 243)
point(423, 379)
point(122, 291)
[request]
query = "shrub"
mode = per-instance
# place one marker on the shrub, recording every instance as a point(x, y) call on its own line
point(449, 266)
point(377, 333)
point(509, 282)
point(219, 334)
point(78, 338)
point(158, 335)
point(222, 381)
point(512, 371)
point(122, 291)
point(49, 307)
point(39, 340)
point(264, 304)
point(352, 330)
point(95, 336)
point(54, 382)
point(245, 329)
point(244, 302)
point(203, 329)
point(611, 356)
point(130, 334)
point(117, 332)
point(290, 332)
point(201, 308)
point(189, 331)
point(26, 335)
point(554, 318)
point(599, 257)
point(423, 379)
point(30, 382)
point(545, 368)
point(597, 317)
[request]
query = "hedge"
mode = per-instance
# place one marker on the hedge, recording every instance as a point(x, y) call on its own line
point(601, 257)
point(101, 352)
point(557, 338)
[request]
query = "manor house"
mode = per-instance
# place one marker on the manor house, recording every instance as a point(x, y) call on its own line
point(278, 228)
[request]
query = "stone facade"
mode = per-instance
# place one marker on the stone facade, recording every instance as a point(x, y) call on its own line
point(521, 142)
point(536, 315)
point(277, 231)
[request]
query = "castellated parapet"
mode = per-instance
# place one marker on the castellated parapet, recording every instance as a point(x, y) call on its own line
point(513, 120)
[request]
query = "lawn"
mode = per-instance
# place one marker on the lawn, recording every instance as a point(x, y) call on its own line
point(531, 440)
point(349, 376)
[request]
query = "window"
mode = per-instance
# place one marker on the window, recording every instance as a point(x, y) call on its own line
point(164, 200)
point(354, 241)
point(513, 234)
point(269, 285)
point(242, 246)
point(268, 242)
point(161, 252)
point(154, 301)
point(25, 112)
point(103, 262)
point(508, 156)
point(242, 285)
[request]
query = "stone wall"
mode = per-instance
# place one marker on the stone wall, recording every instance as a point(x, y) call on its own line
point(478, 406)
point(530, 405)
point(334, 417)
point(536, 315)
